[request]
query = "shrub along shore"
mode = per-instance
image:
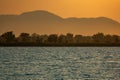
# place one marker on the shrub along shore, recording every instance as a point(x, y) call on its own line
point(54, 40)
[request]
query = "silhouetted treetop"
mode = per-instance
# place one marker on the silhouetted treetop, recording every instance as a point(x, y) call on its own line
point(25, 39)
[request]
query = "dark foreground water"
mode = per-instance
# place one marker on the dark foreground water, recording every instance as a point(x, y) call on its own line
point(59, 63)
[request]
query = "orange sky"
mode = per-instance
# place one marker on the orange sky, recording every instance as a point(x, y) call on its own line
point(65, 8)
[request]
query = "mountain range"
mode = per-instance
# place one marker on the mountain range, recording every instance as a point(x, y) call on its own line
point(44, 22)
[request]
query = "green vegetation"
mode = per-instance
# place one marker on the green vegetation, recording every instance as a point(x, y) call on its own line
point(25, 39)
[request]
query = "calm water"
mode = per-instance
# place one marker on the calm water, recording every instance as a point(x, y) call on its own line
point(59, 63)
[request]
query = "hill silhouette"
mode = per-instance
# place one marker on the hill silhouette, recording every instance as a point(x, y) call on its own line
point(44, 22)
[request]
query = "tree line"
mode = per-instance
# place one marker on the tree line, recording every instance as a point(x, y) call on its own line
point(25, 39)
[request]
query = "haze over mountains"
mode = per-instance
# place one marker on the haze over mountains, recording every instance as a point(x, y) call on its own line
point(44, 22)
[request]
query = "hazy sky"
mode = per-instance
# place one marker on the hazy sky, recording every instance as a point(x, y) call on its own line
point(65, 8)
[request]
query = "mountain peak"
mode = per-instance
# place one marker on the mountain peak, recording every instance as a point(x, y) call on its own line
point(36, 12)
point(40, 13)
point(41, 21)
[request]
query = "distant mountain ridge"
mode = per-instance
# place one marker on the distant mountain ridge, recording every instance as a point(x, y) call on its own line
point(44, 22)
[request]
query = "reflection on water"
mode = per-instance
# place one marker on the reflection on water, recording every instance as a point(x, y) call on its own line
point(59, 63)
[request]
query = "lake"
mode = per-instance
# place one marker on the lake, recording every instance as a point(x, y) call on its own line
point(59, 63)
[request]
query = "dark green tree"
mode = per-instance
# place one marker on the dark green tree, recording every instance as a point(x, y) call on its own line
point(99, 37)
point(8, 37)
point(35, 38)
point(78, 39)
point(62, 39)
point(24, 37)
point(108, 39)
point(69, 38)
point(53, 38)
point(116, 39)
point(2, 40)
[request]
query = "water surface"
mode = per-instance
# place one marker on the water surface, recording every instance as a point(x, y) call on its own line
point(59, 63)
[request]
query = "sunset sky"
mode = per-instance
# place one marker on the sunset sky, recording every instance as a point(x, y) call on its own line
point(64, 8)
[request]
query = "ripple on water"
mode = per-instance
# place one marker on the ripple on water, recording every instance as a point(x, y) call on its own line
point(59, 63)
